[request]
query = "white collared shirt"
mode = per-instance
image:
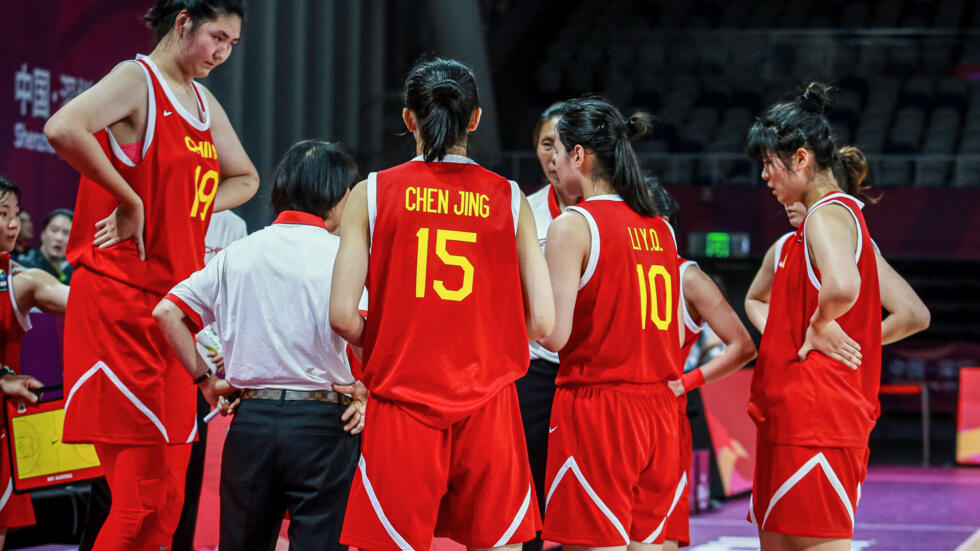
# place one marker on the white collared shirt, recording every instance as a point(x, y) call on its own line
point(268, 296)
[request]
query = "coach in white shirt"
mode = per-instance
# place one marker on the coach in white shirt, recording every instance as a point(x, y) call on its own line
point(288, 447)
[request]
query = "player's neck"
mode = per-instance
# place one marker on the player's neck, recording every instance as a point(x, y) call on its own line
point(594, 188)
point(821, 185)
point(562, 199)
point(165, 58)
point(458, 149)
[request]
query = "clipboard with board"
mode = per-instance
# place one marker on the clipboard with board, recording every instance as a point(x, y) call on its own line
point(38, 457)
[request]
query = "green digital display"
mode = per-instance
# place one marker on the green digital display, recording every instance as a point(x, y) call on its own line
point(718, 244)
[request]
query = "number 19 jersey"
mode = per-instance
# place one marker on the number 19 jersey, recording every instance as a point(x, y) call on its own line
point(624, 328)
point(446, 328)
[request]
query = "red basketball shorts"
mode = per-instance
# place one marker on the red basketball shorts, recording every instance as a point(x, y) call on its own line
point(16, 510)
point(678, 521)
point(807, 491)
point(123, 383)
point(470, 482)
point(612, 464)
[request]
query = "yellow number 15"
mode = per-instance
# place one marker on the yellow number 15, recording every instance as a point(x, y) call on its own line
point(648, 279)
point(442, 236)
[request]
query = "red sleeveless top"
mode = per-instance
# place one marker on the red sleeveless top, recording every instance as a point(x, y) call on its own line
point(177, 179)
point(13, 323)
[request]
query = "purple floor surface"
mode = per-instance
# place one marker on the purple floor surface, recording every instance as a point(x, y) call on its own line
point(901, 509)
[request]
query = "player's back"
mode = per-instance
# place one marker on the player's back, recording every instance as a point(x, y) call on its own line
point(624, 326)
point(446, 328)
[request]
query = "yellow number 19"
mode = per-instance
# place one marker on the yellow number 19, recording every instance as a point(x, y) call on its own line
point(204, 198)
point(422, 260)
point(648, 279)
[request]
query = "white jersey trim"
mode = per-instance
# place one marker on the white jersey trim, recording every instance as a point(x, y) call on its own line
point(101, 366)
point(23, 319)
point(571, 464)
point(688, 318)
point(193, 120)
point(605, 197)
point(677, 497)
point(594, 249)
point(372, 206)
point(376, 505)
point(515, 202)
point(193, 430)
point(778, 251)
point(151, 123)
point(831, 199)
point(752, 511)
point(458, 159)
point(672, 234)
point(516, 523)
point(6, 493)
point(835, 483)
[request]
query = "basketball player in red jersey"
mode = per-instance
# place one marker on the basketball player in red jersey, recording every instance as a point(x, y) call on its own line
point(457, 285)
point(157, 156)
point(701, 303)
point(907, 314)
point(612, 457)
point(815, 385)
point(19, 293)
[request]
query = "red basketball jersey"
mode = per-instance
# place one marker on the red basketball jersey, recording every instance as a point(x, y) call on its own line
point(13, 323)
point(177, 179)
point(624, 327)
point(447, 328)
point(819, 401)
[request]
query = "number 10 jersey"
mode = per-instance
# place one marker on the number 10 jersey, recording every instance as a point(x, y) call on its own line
point(624, 327)
point(445, 329)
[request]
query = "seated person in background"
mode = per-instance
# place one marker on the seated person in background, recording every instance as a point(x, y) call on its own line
point(50, 256)
point(25, 236)
point(18, 294)
point(292, 444)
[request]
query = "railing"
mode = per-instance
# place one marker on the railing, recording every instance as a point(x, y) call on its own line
point(733, 169)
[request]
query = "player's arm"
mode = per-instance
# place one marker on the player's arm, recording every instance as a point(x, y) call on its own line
point(705, 301)
point(832, 237)
point(539, 305)
point(37, 288)
point(119, 96)
point(907, 314)
point(757, 298)
point(239, 178)
point(569, 242)
point(350, 268)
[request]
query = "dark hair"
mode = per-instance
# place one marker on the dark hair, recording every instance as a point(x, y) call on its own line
point(161, 17)
point(788, 126)
point(598, 126)
point(312, 177)
point(667, 207)
point(6, 186)
point(57, 212)
point(553, 110)
point(443, 95)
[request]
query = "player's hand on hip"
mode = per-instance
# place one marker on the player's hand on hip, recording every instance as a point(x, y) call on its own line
point(354, 415)
point(677, 387)
point(20, 385)
point(126, 222)
point(831, 341)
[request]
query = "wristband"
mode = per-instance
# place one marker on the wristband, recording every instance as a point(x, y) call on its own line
point(5, 370)
point(203, 377)
point(692, 379)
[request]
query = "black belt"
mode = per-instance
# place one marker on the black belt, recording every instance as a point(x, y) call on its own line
point(291, 395)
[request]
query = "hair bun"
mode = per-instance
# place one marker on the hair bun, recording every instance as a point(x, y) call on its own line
point(447, 91)
point(638, 124)
point(817, 98)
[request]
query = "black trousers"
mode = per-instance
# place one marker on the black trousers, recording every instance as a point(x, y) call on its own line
point(535, 394)
point(286, 456)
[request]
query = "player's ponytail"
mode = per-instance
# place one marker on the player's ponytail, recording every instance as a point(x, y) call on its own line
point(851, 172)
point(598, 126)
point(443, 95)
point(161, 17)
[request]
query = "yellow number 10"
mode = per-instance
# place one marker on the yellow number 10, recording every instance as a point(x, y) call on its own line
point(648, 279)
point(442, 236)
point(204, 198)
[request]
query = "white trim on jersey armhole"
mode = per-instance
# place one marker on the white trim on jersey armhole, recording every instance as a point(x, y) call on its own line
point(688, 318)
point(205, 106)
point(672, 234)
point(372, 206)
point(806, 246)
point(875, 245)
point(778, 251)
point(593, 250)
point(515, 202)
point(22, 318)
point(151, 122)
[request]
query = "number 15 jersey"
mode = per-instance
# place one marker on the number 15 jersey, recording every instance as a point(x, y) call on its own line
point(176, 176)
point(446, 326)
point(624, 327)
